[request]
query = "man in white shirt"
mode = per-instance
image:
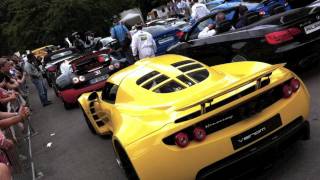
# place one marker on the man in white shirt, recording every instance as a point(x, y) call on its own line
point(207, 32)
point(199, 10)
point(143, 43)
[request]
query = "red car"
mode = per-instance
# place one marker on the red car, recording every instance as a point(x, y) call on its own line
point(87, 73)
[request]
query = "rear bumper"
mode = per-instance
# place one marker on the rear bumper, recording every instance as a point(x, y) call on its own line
point(195, 160)
point(71, 95)
point(248, 158)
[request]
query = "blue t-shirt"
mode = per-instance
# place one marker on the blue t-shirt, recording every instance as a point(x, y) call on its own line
point(119, 32)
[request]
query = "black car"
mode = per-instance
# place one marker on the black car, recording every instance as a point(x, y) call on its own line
point(52, 60)
point(292, 36)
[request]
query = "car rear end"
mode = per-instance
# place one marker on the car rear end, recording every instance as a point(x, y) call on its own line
point(303, 35)
point(90, 73)
point(204, 143)
point(53, 60)
point(285, 36)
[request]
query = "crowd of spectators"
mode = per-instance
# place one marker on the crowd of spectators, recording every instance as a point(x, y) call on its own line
point(13, 92)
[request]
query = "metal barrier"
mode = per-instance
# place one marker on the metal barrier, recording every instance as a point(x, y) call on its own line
point(20, 156)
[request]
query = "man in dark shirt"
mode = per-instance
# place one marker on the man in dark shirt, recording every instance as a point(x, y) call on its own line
point(37, 79)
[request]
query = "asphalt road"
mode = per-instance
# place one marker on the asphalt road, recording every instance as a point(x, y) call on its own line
point(77, 154)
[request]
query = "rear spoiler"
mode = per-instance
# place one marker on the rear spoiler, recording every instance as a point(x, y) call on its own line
point(244, 81)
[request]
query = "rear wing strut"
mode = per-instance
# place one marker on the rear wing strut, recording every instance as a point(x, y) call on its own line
point(265, 73)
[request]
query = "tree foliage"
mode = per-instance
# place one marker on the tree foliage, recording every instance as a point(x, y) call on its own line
point(28, 24)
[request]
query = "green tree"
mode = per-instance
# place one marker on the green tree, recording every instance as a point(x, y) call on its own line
point(28, 24)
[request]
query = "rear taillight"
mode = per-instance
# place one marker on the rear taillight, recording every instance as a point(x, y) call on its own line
point(262, 13)
point(180, 34)
point(199, 134)
point(116, 65)
point(291, 87)
point(82, 78)
point(101, 59)
point(52, 68)
point(295, 84)
point(181, 139)
point(104, 58)
point(75, 80)
point(286, 91)
point(111, 67)
point(279, 37)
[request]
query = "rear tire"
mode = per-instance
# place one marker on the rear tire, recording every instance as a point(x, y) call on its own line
point(124, 162)
point(55, 89)
point(68, 106)
point(93, 131)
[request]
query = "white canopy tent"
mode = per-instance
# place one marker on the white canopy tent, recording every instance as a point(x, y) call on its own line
point(132, 19)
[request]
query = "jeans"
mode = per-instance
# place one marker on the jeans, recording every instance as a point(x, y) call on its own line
point(42, 90)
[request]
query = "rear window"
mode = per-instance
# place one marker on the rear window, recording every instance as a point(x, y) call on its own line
point(171, 86)
point(146, 77)
point(155, 82)
point(199, 76)
point(180, 63)
point(186, 80)
point(190, 67)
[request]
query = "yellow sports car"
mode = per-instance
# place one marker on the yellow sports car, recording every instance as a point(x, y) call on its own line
point(42, 51)
point(172, 117)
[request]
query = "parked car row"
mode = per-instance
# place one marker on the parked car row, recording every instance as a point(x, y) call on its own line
point(273, 39)
point(177, 110)
point(244, 107)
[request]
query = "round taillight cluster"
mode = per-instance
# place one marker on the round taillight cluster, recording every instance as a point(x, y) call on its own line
point(295, 84)
point(289, 88)
point(79, 79)
point(199, 134)
point(182, 139)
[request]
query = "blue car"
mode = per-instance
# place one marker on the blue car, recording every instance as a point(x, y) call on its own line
point(214, 3)
point(266, 7)
point(164, 37)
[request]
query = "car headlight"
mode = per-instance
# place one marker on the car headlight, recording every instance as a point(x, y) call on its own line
point(82, 78)
point(75, 80)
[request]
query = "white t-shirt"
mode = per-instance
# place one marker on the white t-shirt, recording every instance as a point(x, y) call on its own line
point(206, 33)
point(199, 10)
